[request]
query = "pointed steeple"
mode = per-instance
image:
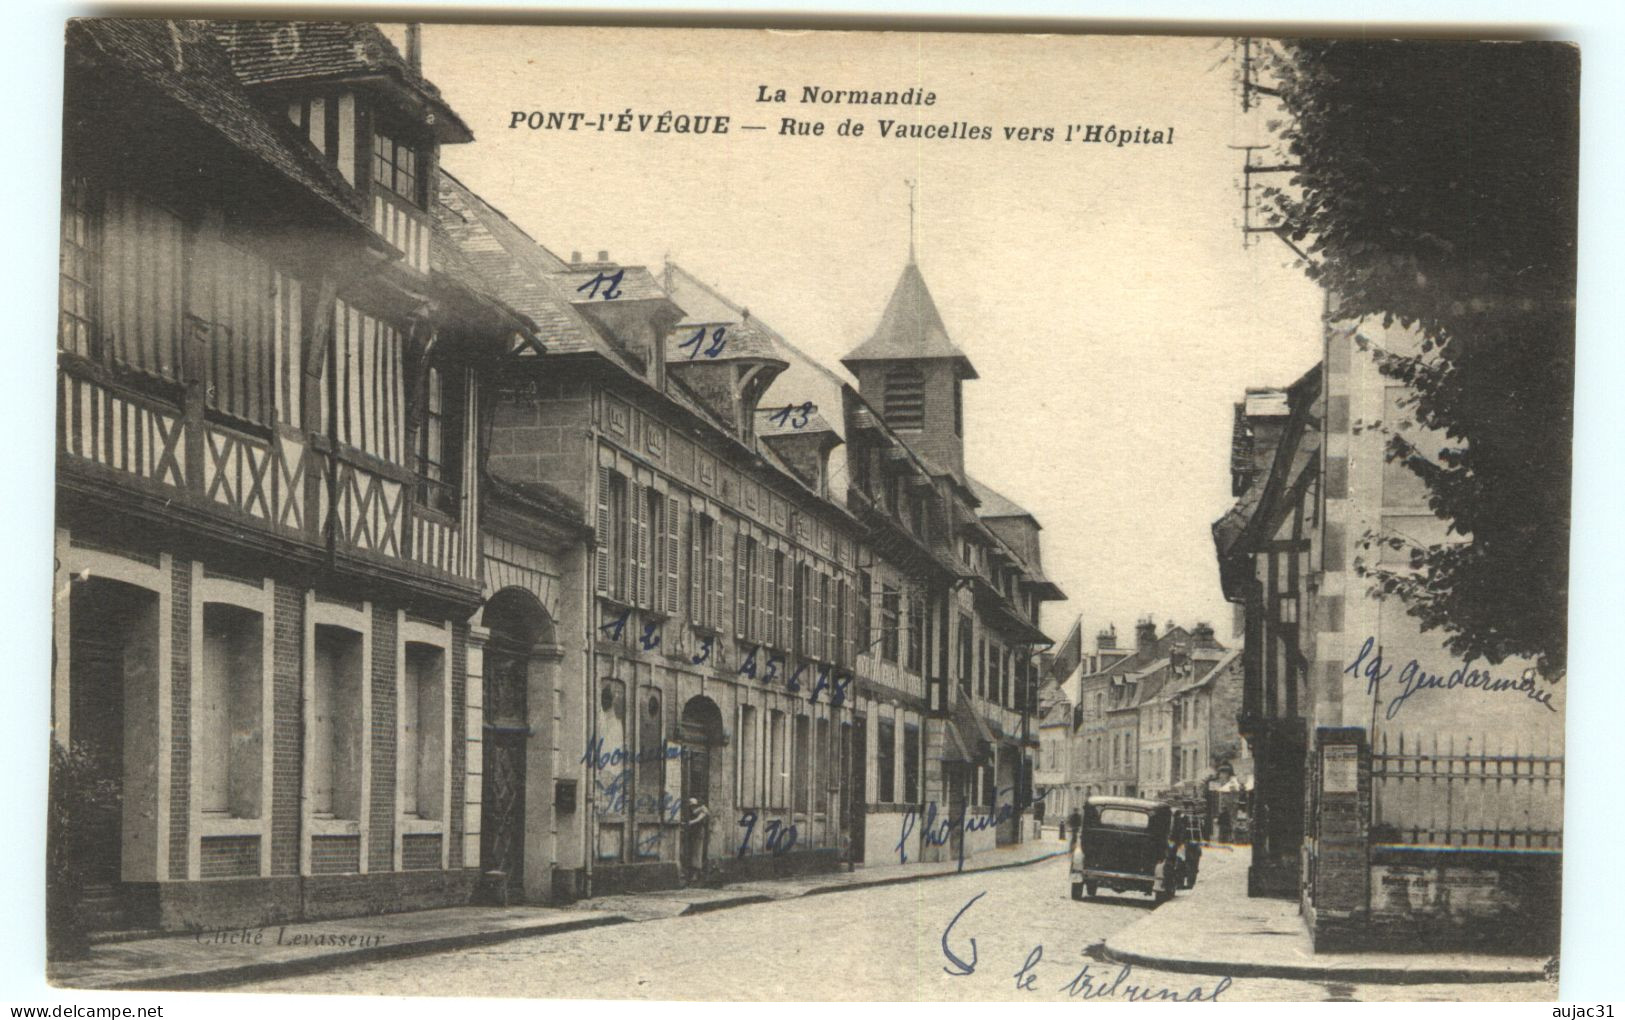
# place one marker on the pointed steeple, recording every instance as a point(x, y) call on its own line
point(911, 329)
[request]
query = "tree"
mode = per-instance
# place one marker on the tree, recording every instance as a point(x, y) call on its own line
point(1436, 185)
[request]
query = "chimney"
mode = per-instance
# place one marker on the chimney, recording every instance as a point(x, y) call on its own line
point(1145, 634)
point(575, 258)
point(1106, 640)
point(414, 47)
point(603, 256)
point(1202, 635)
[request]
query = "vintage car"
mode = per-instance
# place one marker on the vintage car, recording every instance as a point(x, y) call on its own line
point(1129, 844)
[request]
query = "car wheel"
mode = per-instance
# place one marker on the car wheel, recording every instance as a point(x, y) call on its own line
point(1090, 887)
point(1077, 891)
point(1163, 896)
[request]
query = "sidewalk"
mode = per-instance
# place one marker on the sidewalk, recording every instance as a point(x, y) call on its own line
point(1216, 928)
point(219, 959)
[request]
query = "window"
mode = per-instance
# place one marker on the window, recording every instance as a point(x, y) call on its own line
point(865, 625)
point(967, 651)
point(775, 759)
point(436, 470)
point(886, 761)
point(76, 327)
point(911, 764)
point(231, 712)
point(335, 782)
point(394, 166)
point(823, 778)
point(801, 763)
point(705, 573)
point(904, 397)
point(842, 652)
point(422, 754)
point(981, 667)
point(916, 632)
point(750, 759)
point(890, 619)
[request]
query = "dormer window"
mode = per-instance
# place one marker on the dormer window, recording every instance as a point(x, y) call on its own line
point(395, 167)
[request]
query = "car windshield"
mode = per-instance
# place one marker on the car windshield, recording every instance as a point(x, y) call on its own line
point(1124, 818)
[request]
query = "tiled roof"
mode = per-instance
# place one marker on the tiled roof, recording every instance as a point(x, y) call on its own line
point(514, 265)
point(993, 504)
point(182, 60)
point(767, 428)
point(587, 283)
point(911, 328)
point(272, 52)
point(740, 338)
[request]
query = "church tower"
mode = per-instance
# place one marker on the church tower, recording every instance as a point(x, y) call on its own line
point(912, 373)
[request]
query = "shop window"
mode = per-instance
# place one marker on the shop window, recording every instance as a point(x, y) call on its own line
point(886, 761)
point(422, 754)
point(336, 741)
point(231, 723)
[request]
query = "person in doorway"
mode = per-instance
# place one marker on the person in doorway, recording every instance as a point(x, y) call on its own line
point(696, 836)
point(1074, 821)
point(1226, 791)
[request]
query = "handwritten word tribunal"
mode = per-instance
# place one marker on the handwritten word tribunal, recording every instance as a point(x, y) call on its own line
point(1086, 983)
point(1368, 664)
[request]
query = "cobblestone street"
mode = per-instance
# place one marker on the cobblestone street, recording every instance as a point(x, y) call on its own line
point(882, 943)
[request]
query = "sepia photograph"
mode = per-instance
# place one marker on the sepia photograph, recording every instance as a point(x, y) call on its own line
point(590, 511)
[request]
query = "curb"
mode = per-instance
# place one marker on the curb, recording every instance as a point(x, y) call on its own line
point(824, 890)
point(244, 973)
point(1324, 975)
point(724, 904)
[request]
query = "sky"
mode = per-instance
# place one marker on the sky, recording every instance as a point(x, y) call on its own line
point(1103, 292)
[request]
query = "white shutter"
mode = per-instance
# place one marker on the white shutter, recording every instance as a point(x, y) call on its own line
point(674, 552)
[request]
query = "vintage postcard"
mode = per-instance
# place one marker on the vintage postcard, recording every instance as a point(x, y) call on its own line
point(746, 514)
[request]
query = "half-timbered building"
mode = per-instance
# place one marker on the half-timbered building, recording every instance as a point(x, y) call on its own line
point(267, 503)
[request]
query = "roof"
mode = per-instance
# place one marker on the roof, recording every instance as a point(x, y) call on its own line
point(911, 328)
point(993, 504)
point(509, 262)
point(769, 428)
point(592, 282)
point(1208, 677)
point(1122, 802)
point(274, 52)
point(184, 62)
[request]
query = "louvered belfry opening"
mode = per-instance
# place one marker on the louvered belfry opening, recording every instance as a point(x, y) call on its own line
point(904, 397)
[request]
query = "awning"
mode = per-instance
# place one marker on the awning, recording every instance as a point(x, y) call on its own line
point(973, 726)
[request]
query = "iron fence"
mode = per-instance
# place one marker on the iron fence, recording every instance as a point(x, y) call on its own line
point(1459, 791)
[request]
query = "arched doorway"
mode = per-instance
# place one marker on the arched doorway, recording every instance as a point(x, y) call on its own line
point(518, 623)
point(700, 735)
